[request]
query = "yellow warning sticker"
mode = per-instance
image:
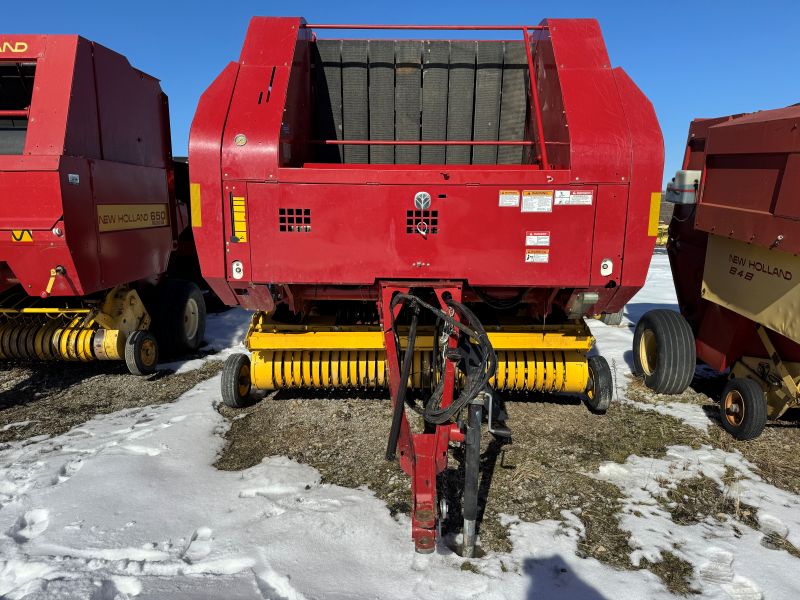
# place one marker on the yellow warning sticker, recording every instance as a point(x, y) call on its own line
point(21, 235)
point(121, 217)
point(239, 219)
point(537, 200)
point(508, 198)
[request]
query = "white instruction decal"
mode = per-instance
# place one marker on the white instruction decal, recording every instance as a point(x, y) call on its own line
point(537, 201)
point(537, 238)
point(509, 198)
point(574, 197)
point(537, 256)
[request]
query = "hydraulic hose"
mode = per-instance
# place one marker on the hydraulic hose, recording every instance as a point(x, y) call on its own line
point(400, 399)
point(478, 360)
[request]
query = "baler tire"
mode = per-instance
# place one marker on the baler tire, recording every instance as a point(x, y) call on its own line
point(141, 353)
point(743, 409)
point(664, 352)
point(472, 466)
point(181, 318)
point(601, 385)
point(612, 319)
point(236, 383)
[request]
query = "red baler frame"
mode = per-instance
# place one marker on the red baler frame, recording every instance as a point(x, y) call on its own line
point(614, 151)
point(98, 134)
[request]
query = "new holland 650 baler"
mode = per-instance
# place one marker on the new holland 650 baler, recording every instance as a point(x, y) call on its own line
point(89, 220)
point(431, 216)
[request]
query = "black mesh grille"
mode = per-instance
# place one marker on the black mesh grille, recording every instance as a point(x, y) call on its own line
point(294, 219)
point(422, 221)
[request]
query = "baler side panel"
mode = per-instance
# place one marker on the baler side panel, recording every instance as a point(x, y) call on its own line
point(596, 119)
point(83, 122)
point(647, 167)
point(265, 64)
point(141, 251)
point(554, 116)
point(130, 109)
point(55, 64)
point(751, 180)
point(80, 233)
point(205, 141)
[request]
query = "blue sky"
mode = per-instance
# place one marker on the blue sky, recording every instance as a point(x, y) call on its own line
point(692, 59)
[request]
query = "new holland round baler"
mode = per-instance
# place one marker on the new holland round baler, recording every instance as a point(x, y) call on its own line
point(93, 239)
point(734, 242)
point(434, 217)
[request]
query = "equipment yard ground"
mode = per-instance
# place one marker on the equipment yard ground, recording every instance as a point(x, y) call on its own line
point(652, 500)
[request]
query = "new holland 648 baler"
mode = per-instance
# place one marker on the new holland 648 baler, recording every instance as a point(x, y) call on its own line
point(92, 234)
point(431, 216)
point(734, 242)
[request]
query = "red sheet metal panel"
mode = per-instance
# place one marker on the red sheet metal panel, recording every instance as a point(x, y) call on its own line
point(97, 134)
point(751, 179)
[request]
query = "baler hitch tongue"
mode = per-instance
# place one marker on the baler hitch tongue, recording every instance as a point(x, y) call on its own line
point(465, 346)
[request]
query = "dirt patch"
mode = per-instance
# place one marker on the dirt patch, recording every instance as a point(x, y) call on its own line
point(50, 398)
point(696, 499)
point(557, 444)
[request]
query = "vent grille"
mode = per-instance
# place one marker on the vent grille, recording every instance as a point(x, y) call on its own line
point(425, 222)
point(294, 219)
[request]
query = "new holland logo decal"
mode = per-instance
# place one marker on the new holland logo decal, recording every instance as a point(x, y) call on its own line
point(13, 47)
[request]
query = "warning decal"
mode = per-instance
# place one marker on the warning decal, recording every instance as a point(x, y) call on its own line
point(508, 198)
point(537, 201)
point(537, 256)
point(574, 197)
point(21, 235)
point(537, 238)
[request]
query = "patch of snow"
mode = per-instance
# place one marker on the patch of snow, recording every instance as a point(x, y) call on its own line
point(15, 425)
point(728, 556)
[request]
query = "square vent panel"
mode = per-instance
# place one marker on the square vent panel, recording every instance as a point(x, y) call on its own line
point(294, 219)
point(424, 222)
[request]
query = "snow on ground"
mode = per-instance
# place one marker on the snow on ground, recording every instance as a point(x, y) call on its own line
point(129, 505)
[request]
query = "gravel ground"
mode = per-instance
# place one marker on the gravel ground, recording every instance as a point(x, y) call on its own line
point(50, 398)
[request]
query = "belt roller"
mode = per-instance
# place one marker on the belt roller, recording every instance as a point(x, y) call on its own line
point(518, 370)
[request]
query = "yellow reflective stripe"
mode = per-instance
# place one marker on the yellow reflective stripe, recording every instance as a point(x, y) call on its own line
point(655, 212)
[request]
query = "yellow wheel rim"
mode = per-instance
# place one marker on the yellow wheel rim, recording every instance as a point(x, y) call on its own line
point(647, 351)
point(243, 381)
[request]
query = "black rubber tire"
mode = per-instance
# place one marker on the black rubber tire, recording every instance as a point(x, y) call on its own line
point(612, 319)
point(141, 353)
point(750, 421)
point(601, 385)
point(672, 358)
point(472, 464)
point(236, 384)
point(178, 299)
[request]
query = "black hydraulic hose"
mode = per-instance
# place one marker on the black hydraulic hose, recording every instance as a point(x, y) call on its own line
point(400, 399)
